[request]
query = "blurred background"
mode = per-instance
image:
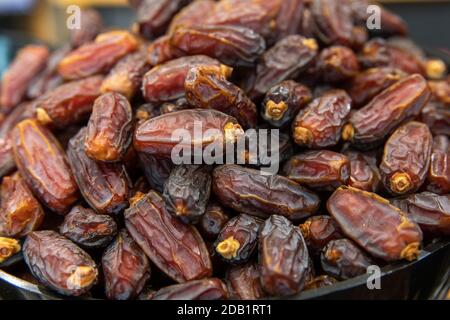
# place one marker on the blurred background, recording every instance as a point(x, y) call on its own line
point(25, 21)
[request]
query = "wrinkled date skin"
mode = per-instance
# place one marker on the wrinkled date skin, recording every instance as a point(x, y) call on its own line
point(238, 239)
point(406, 158)
point(370, 125)
point(166, 82)
point(44, 167)
point(322, 170)
point(337, 64)
point(206, 88)
point(284, 61)
point(212, 222)
point(155, 136)
point(125, 267)
point(247, 191)
point(283, 102)
point(104, 186)
point(156, 170)
point(364, 174)
point(197, 12)
point(175, 248)
point(27, 64)
point(437, 117)
point(344, 260)
point(87, 228)
point(160, 51)
point(205, 289)
point(439, 174)
point(69, 103)
point(243, 282)
point(318, 231)
point(98, 56)
point(91, 25)
point(429, 210)
point(20, 212)
point(234, 46)
point(59, 264)
point(283, 257)
point(186, 192)
point(109, 130)
point(381, 229)
point(320, 282)
point(320, 124)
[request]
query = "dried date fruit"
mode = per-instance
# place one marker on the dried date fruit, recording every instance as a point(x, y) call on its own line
point(381, 229)
point(437, 118)
point(429, 210)
point(197, 12)
point(322, 170)
point(248, 191)
point(320, 124)
point(337, 64)
point(156, 136)
point(283, 102)
point(69, 103)
point(87, 228)
point(109, 130)
point(8, 248)
point(364, 174)
point(98, 56)
point(438, 179)
point(186, 192)
point(156, 170)
point(20, 212)
point(238, 239)
point(104, 186)
point(406, 158)
point(435, 69)
point(125, 267)
point(160, 51)
point(205, 289)
point(213, 221)
point(318, 231)
point(320, 282)
point(91, 25)
point(283, 257)
point(243, 282)
point(58, 263)
point(289, 18)
point(440, 91)
point(343, 260)
point(175, 248)
point(28, 62)
point(43, 165)
point(234, 46)
point(392, 24)
point(369, 125)
point(166, 82)
point(207, 88)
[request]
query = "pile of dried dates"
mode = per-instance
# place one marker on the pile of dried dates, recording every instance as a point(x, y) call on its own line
point(94, 203)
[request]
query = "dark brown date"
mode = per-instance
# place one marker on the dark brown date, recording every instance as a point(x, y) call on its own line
point(364, 173)
point(337, 64)
point(283, 102)
point(243, 282)
point(406, 158)
point(283, 257)
point(8, 248)
point(238, 239)
point(383, 230)
point(109, 130)
point(43, 165)
point(125, 267)
point(58, 263)
point(104, 186)
point(322, 170)
point(160, 51)
point(91, 25)
point(437, 117)
point(370, 125)
point(197, 12)
point(289, 18)
point(320, 124)
point(213, 221)
point(20, 212)
point(318, 231)
point(320, 282)
point(205, 289)
point(207, 88)
point(156, 170)
point(87, 228)
point(438, 179)
point(343, 260)
point(175, 248)
point(248, 191)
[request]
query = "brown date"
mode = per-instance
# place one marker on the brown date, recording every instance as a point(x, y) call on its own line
point(205, 289)
point(238, 239)
point(125, 267)
point(207, 88)
point(91, 25)
point(156, 170)
point(213, 221)
point(437, 117)
point(381, 229)
point(160, 51)
point(283, 102)
point(87, 228)
point(20, 212)
point(248, 191)
point(43, 165)
point(337, 64)
point(175, 248)
point(109, 130)
point(318, 231)
point(343, 260)
point(322, 169)
point(406, 158)
point(438, 179)
point(243, 282)
point(98, 56)
point(364, 173)
point(320, 124)
point(104, 186)
point(289, 18)
point(58, 263)
point(283, 257)
point(440, 91)
point(369, 125)
point(8, 248)
point(320, 282)
point(197, 12)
